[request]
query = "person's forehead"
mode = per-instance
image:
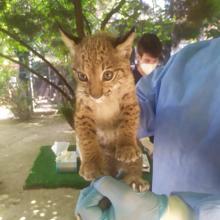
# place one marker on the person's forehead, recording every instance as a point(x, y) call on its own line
point(148, 56)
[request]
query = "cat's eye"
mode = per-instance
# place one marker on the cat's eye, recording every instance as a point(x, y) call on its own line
point(82, 77)
point(108, 75)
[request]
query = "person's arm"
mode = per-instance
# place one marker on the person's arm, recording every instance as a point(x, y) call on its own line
point(147, 90)
point(205, 206)
point(177, 209)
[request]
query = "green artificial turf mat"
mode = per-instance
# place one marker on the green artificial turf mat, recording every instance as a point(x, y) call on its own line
point(43, 174)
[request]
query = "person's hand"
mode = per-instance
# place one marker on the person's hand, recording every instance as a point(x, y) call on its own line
point(87, 207)
point(126, 204)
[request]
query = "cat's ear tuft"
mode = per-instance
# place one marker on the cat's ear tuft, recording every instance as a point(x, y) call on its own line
point(69, 41)
point(124, 44)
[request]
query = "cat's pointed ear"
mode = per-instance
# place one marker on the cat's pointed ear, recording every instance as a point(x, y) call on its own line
point(124, 44)
point(69, 41)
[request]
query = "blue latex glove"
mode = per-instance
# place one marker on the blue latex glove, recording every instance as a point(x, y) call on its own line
point(180, 107)
point(87, 205)
point(126, 204)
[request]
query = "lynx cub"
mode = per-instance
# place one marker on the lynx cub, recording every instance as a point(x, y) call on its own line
point(107, 112)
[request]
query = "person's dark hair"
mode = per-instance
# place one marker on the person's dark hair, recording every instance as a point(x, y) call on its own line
point(149, 43)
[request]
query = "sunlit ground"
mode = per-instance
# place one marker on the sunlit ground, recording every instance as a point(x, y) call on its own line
point(20, 143)
point(40, 208)
point(5, 113)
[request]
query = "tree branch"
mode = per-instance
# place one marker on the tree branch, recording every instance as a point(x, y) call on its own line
point(40, 56)
point(40, 76)
point(109, 15)
point(79, 18)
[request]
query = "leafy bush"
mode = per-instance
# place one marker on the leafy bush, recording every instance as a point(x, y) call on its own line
point(20, 101)
point(67, 111)
point(6, 72)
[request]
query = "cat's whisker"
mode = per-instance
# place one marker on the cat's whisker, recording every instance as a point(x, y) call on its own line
point(82, 93)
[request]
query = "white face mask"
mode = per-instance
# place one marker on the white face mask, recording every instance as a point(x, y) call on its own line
point(147, 67)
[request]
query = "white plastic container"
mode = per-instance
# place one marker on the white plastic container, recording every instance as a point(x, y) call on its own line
point(66, 161)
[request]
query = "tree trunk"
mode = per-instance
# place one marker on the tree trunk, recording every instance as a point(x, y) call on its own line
point(79, 18)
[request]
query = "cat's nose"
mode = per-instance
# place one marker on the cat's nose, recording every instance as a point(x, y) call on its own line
point(96, 96)
point(97, 100)
point(95, 93)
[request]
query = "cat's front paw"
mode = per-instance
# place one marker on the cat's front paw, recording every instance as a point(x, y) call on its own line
point(91, 170)
point(128, 153)
point(137, 183)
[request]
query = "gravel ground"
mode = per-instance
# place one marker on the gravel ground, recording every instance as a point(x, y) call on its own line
point(19, 145)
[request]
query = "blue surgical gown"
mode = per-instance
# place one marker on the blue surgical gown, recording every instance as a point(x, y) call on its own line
point(180, 106)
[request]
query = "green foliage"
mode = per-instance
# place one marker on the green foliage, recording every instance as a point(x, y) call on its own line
point(6, 72)
point(36, 20)
point(127, 17)
point(67, 110)
point(19, 101)
point(159, 24)
point(194, 18)
point(138, 14)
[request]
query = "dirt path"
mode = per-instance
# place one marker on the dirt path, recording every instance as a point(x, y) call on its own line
point(19, 145)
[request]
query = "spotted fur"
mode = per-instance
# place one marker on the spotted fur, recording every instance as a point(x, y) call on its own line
point(107, 111)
